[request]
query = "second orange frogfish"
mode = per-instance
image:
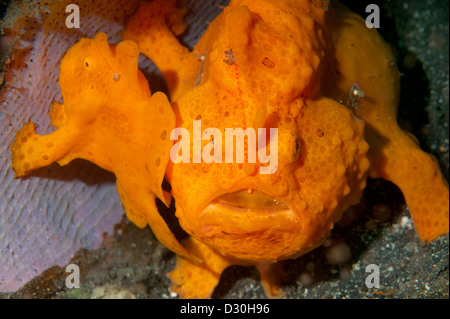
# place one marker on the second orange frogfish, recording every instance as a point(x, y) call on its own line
point(309, 68)
point(108, 117)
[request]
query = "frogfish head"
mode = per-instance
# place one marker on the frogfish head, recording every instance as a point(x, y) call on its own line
point(93, 69)
point(252, 214)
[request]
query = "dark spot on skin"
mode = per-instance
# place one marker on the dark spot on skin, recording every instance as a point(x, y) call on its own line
point(230, 57)
point(319, 132)
point(297, 148)
point(268, 63)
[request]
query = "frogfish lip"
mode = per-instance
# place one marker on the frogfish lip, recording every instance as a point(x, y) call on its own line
point(248, 224)
point(249, 200)
point(243, 211)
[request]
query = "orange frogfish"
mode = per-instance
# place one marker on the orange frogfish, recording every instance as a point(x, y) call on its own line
point(329, 84)
point(310, 69)
point(108, 117)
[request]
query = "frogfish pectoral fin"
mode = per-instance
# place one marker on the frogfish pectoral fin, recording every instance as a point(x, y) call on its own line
point(419, 177)
point(198, 280)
